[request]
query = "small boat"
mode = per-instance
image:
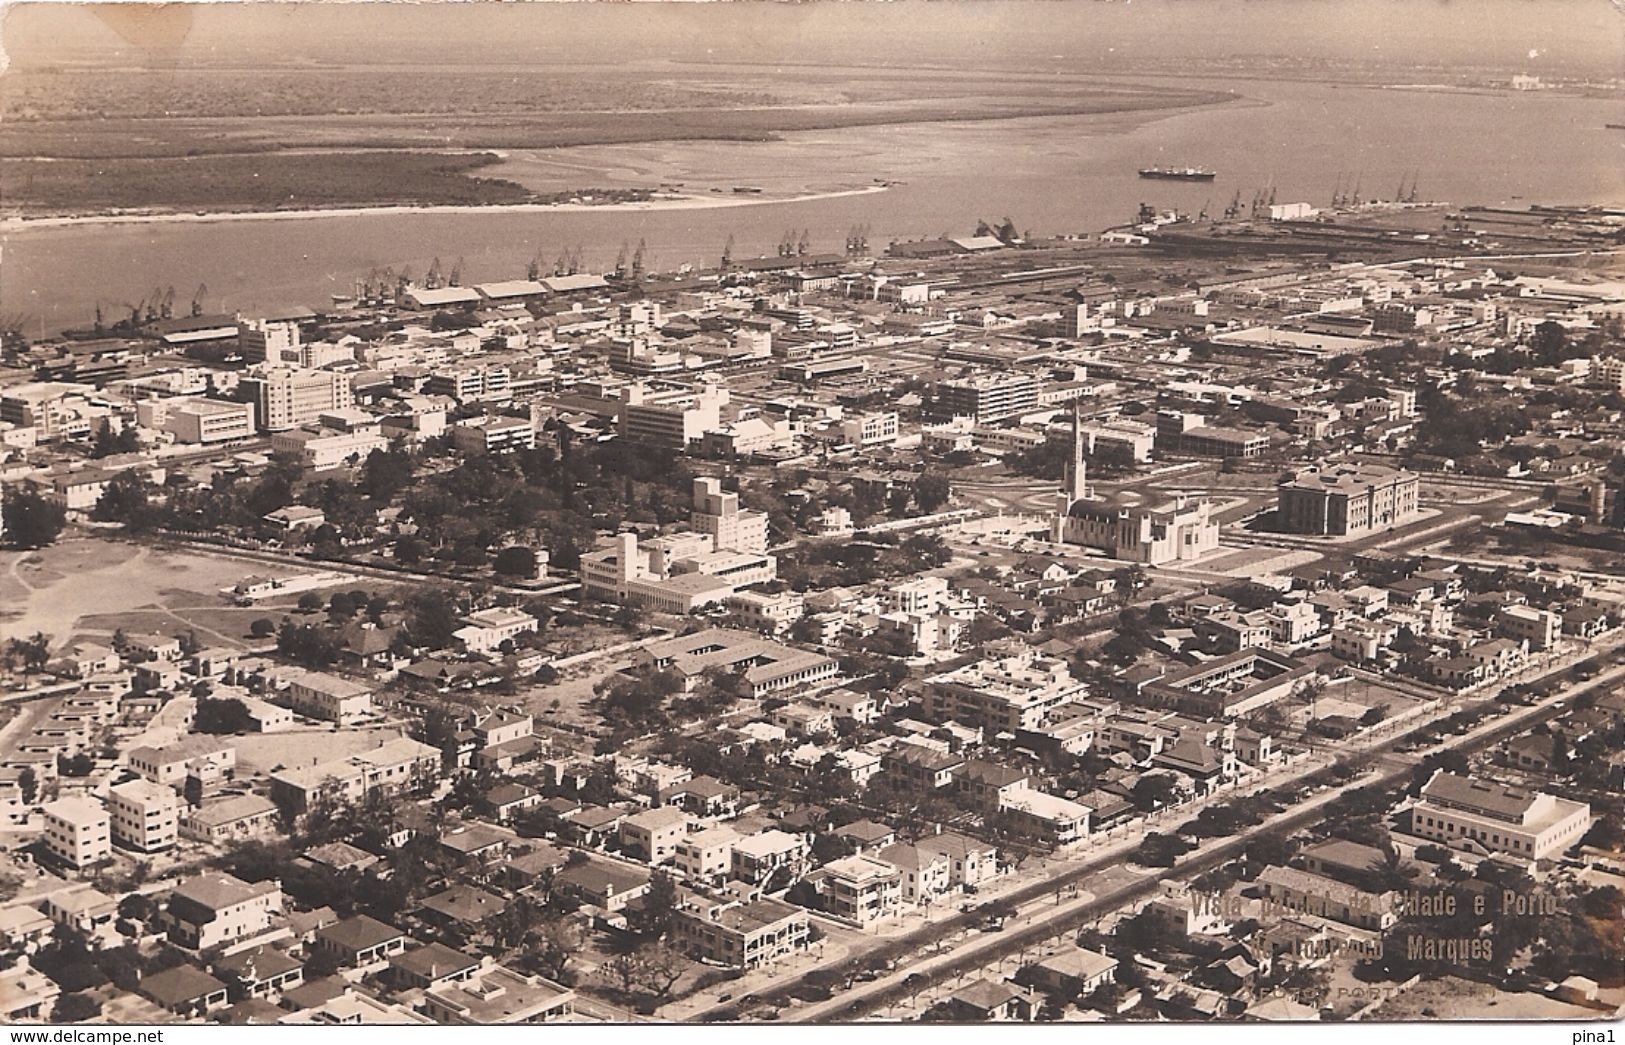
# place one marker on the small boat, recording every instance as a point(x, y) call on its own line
point(747, 189)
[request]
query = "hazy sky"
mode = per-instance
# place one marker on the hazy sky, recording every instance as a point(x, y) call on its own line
point(1551, 36)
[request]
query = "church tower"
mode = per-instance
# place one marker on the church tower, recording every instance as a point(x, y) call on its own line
point(1075, 485)
point(1077, 471)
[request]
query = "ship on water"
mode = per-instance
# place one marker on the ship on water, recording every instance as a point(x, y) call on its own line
point(1179, 173)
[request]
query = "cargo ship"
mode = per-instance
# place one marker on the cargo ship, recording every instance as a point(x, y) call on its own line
point(1179, 173)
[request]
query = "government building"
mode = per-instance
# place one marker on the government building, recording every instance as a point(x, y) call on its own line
point(1347, 500)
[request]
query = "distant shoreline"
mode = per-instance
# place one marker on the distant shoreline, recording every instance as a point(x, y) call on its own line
point(16, 223)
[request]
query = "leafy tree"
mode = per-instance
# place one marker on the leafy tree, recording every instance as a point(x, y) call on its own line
point(108, 442)
point(653, 916)
point(30, 520)
point(33, 652)
point(222, 716)
point(262, 628)
point(1160, 850)
point(931, 491)
point(310, 602)
point(515, 561)
point(410, 550)
point(310, 645)
point(75, 1007)
point(623, 970)
point(659, 968)
point(125, 500)
point(28, 784)
point(386, 473)
point(79, 765)
point(552, 945)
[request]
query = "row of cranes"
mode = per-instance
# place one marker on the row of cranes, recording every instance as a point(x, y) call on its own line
point(1345, 196)
point(159, 305)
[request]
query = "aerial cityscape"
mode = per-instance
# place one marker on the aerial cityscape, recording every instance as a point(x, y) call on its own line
point(765, 527)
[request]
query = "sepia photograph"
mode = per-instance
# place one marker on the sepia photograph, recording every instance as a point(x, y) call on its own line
point(751, 514)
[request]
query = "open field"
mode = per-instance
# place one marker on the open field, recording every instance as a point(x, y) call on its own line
point(64, 589)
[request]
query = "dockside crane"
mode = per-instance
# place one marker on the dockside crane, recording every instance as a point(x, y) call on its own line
point(728, 253)
point(637, 260)
point(431, 280)
point(197, 299)
point(457, 273)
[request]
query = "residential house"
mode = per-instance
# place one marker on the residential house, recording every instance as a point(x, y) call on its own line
point(858, 889)
point(739, 934)
point(218, 908)
point(184, 990)
point(652, 835)
point(358, 941)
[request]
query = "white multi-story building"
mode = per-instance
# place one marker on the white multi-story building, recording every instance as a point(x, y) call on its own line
point(472, 384)
point(493, 435)
point(1531, 825)
point(485, 630)
point(197, 420)
point(217, 908)
point(145, 816)
point(326, 697)
point(674, 418)
point(285, 398)
point(170, 766)
point(706, 856)
point(859, 889)
point(717, 513)
point(1014, 692)
point(268, 340)
point(320, 449)
point(1539, 628)
point(77, 831)
point(870, 429)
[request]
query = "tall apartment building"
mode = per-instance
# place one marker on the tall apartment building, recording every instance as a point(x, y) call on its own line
point(988, 397)
point(268, 340)
point(1609, 372)
point(77, 831)
point(674, 418)
point(145, 816)
point(730, 527)
point(1347, 500)
point(286, 398)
